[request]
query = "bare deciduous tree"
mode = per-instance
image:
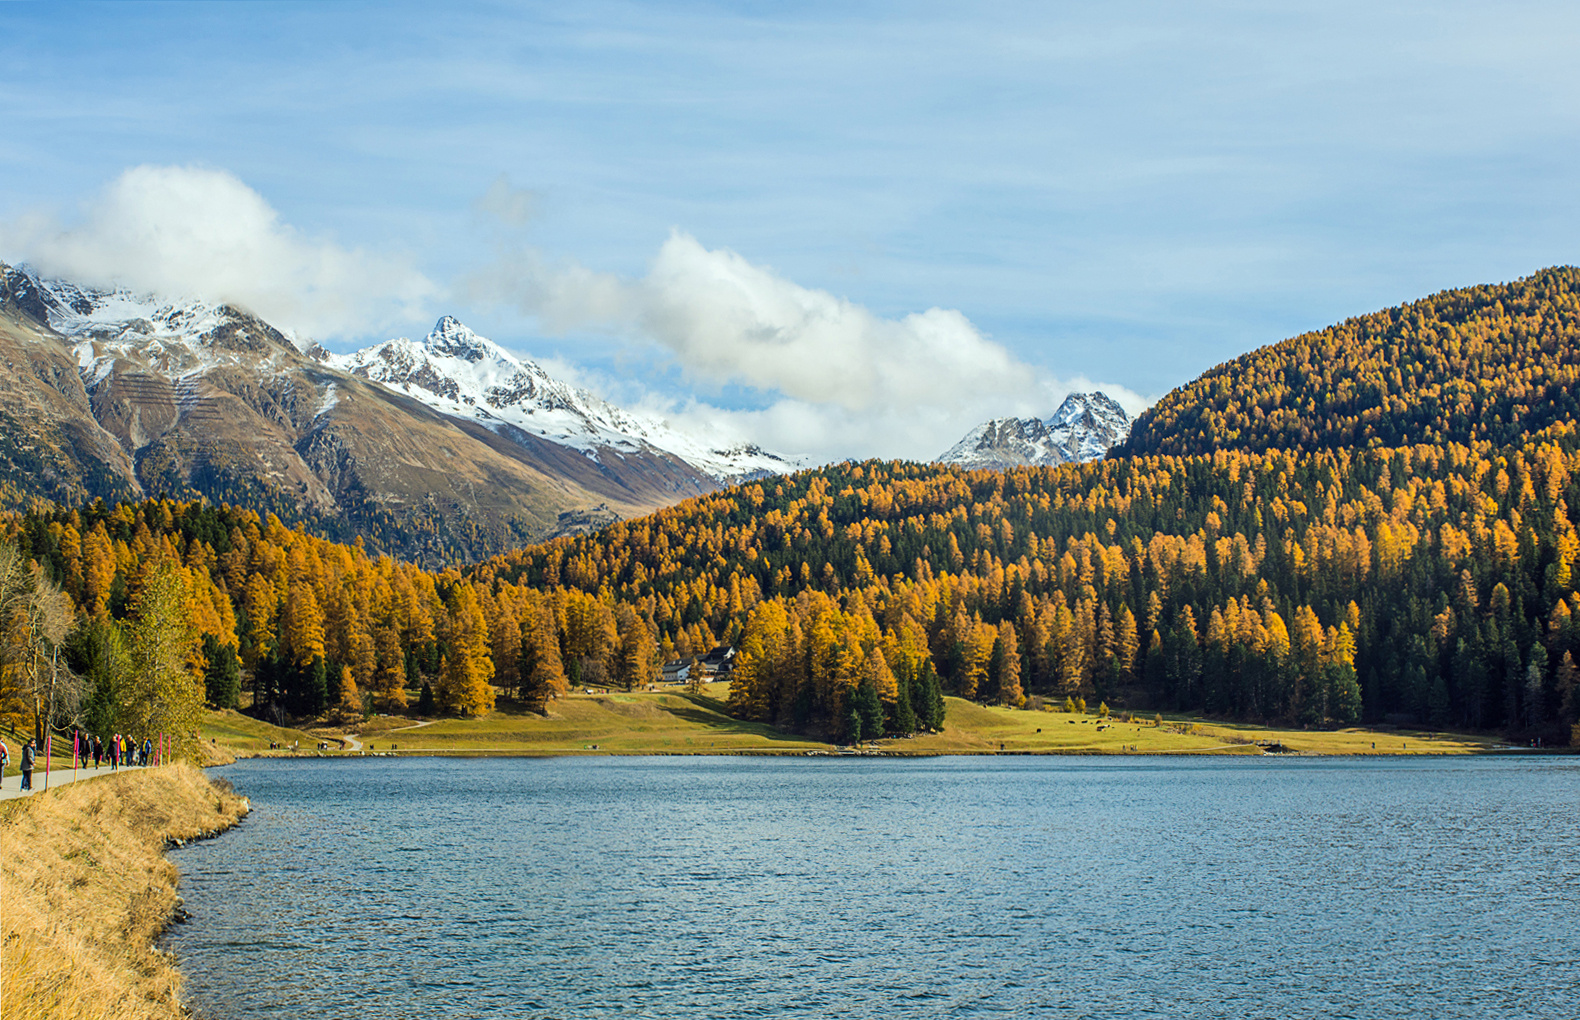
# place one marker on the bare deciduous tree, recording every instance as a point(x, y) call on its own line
point(36, 616)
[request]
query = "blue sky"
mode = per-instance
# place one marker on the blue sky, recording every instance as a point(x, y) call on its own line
point(1111, 193)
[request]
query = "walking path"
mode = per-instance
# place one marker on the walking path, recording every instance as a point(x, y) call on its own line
point(58, 776)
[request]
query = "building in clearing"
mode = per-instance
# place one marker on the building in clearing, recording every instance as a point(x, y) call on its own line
point(718, 663)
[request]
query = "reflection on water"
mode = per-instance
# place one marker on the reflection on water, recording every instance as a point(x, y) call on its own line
point(742, 887)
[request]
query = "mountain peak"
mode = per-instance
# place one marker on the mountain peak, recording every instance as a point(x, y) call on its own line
point(1083, 428)
point(513, 396)
point(452, 337)
point(1090, 409)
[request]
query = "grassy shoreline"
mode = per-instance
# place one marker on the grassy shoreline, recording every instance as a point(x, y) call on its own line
point(677, 721)
point(87, 889)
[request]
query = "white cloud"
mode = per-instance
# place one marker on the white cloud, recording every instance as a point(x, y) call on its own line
point(192, 232)
point(844, 381)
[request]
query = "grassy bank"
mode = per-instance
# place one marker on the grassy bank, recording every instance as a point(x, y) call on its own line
point(86, 889)
point(636, 723)
point(976, 729)
point(684, 722)
point(229, 734)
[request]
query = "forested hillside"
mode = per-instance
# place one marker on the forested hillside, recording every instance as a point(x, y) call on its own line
point(1430, 584)
point(1426, 583)
point(1315, 571)
point(1490, 363)
point(316, 624)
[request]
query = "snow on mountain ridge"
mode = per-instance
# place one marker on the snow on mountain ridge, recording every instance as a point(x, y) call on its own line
point(1083, 428)
point(460, 372)
point(179, 337)
point(452, 369)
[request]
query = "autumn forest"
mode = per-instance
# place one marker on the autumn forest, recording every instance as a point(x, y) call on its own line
point(1374, 524)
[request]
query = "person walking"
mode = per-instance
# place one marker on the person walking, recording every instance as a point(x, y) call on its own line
point(29, 754)
point(5, 759)
point(115, 752)
point(98, 752)
point(148, 750)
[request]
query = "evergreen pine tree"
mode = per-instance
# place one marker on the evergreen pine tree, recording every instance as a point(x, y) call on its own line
point(851, 733)
point(902, 720)
point(98, 654)
point(222, 675)
point(928, 697)
point(1343, 698)
point(870, 708)
point(1568, 684)
point(312, 688)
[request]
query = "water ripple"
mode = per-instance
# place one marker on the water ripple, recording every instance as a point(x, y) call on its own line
point(735, 887)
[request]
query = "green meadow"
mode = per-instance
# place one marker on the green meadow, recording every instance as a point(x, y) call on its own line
point(681, 721)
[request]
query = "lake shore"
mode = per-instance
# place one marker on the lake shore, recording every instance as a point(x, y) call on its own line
point(678, 721)
point(88, 889)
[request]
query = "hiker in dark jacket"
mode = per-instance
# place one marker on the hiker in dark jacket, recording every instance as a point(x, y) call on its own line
point(29, 754)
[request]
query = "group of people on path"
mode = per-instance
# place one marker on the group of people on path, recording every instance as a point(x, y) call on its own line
point(121, 749)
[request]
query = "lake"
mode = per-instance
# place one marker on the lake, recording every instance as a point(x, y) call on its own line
point(930, 887)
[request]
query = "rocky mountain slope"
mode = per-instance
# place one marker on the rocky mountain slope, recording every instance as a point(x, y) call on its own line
point(114, 395)
point(1084, 427)
point(460, 373)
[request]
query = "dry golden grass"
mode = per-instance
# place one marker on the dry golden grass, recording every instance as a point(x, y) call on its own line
point(86, 888)
point(229, 732)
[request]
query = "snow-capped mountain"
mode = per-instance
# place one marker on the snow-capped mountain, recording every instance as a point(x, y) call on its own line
point(1084, 427)
point(461, 373)
point(443, 451)
point(178, 337)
